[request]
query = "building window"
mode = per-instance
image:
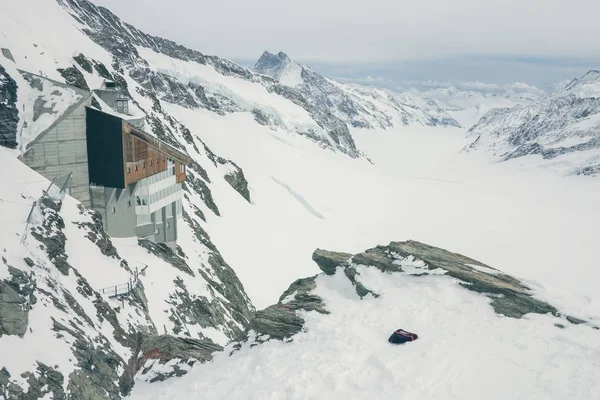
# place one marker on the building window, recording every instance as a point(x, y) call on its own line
point(143, 164)
point(168, 224)
point(136, 167)
point(114, 210)
point(158, 231)
point(150, 162)
point(128, 203)
point(128, 170)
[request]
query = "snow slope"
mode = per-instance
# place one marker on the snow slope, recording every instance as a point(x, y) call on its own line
point(468, 106)
point(359, 106)
point(562, 127)
point(294, 195)
point(464, 350)
point(55, 268)
point(421, 186)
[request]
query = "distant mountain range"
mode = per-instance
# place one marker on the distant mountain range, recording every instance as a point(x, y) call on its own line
point(563, 127)
point(358, 106)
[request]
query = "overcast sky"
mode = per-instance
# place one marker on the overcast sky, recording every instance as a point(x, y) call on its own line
point(535, 41)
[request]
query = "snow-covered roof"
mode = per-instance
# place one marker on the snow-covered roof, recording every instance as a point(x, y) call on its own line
point(48, 103)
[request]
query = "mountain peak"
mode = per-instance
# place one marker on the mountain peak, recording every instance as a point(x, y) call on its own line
point(592, 76)
point(270, 60)
point(280, 67)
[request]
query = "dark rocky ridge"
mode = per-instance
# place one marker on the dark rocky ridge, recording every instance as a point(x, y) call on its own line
point(9, 115)
point(120, 39)
point(323, 94)
point(508, 296)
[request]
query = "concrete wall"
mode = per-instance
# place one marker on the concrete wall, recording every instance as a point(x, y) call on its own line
point(117, 208)
point(120, 212)
point(63, 150)
point(98, 202)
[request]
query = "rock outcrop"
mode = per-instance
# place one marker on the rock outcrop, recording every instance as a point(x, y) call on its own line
point(9, 115)
point(508, 296)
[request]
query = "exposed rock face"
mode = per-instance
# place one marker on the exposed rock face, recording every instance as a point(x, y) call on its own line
point(83, 62)
point(50, 233)
point(509, 296)
point(280, 321)
point(121, 39)
point(188, 310)
point(96, 233)
point(16, 297)
point(9, 115)
point(74, 77)
point(328, 261)
point(357, 106)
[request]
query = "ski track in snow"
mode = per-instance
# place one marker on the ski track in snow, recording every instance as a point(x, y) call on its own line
point(300, 199)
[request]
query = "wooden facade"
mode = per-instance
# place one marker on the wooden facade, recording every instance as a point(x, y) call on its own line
point(141, 159)
point(180, 171)
point(121, 154)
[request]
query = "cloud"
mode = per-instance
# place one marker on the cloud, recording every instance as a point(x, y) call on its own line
point(427, 85)
point(361, 31)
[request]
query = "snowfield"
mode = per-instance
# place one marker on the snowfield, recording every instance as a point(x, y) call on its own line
point(516, 216)
point(520, 217)
point(464, 351)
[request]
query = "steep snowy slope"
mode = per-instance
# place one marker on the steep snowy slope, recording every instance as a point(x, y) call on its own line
point(359, 106)
point(563, 127)
point(481, 335)
point(69, 54)
point(293, 196)
point(58, 325)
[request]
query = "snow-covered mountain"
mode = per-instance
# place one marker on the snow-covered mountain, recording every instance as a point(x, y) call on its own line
point(59, 331)
point(359, 106)
point(275, 176)
point(563, 127)
point(156, 68)
point(468, 105)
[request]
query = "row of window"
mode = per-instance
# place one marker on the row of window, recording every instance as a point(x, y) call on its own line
point(144, 165)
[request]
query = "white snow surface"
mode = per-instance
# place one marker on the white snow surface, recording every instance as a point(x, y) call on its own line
point(464, 351)
point(523, 220)
point(467, 106)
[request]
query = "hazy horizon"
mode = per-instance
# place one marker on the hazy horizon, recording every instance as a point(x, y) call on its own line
point(396, 46)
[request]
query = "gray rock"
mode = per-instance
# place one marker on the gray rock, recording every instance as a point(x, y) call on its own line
point(164, 252)
point(16, 298)
point(96, 233)
point(281, 321)
point(50, 233)
point(199, 186)
point(83, 62)
point(9, 114)
point(47, 381)
point(102, 71)
point(238, 181)
point(74, 77)
point(329, 261)
point(509, 296)
point(14, 310)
